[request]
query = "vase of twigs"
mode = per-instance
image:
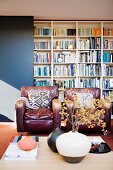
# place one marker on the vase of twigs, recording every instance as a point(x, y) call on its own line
point(74, 146)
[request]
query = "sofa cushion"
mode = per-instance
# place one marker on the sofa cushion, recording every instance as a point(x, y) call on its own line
point(53, 90)
point(85, 100)
point(38, 99)
point(41, 113)
point(82, 100)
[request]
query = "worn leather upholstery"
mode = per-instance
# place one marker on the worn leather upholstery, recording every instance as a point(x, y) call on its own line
point(96, 94)
point(41, 120)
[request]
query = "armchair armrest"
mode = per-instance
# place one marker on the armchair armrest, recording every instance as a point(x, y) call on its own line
point(20, 107)
point(56, 107)
point(107, 108)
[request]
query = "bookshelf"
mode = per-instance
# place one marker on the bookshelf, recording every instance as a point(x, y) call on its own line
point(42, 54)
point(74, 54)
point(107, 64)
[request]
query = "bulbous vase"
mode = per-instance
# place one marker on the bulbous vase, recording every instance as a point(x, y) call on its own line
point(51, 141)
point(73, 146)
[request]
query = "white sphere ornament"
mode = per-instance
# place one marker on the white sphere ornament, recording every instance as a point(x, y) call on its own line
point(73, 146)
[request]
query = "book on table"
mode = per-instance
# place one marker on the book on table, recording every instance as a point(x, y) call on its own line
point(13, 151)
point(96, 139)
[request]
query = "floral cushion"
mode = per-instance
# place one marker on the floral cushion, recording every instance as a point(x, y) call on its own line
point(39, 99)
point(85, 100)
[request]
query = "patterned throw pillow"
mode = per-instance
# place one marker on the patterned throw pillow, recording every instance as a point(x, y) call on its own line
point(38, 99)
point(85, 100)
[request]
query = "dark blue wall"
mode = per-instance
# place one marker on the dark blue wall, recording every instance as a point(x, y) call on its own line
point(16, 50)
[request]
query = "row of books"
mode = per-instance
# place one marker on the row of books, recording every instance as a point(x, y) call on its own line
point(42, 31)
point(70, 57)
point(90, 56)
point(64, 44)
point(108, 94)
point(89, 82)
point(64, 32)
point(69, 83)
point(64, 57)
point(71, 31)
point(107, 83)
point(42, 71)
point(42, 57)
point(90, 43)
point(89, 31)
point(107, 70)
point(42, 44)
point(70, 70)
point(89, 70)
point(107, 57)
point(108, 31)
point(64, 70)
point(108, 44)
point(41, 82)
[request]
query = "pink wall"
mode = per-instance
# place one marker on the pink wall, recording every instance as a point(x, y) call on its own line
point(59, 9)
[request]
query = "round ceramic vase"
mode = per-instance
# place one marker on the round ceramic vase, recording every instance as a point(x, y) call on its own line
point(73, 146)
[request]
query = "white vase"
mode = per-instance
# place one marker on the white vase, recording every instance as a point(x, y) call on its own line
point(73, 146)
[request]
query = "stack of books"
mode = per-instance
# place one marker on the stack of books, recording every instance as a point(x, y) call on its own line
point(13, 151)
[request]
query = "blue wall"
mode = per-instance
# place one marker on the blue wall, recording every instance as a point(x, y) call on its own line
point(16, 50)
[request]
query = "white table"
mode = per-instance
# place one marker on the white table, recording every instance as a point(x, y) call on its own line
point(48, 160)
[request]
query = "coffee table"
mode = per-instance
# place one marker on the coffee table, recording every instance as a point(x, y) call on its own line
point(48, 160)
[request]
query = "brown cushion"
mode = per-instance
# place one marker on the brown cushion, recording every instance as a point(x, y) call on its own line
point(41, 113)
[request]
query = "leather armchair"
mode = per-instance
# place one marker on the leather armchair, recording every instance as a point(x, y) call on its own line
point(40, 120)
point(107, 108)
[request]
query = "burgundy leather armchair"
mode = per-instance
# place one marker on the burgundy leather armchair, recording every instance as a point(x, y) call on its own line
point(40, 120)
point(96, 95)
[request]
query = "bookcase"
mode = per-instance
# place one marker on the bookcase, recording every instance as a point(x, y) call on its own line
point(74, 54)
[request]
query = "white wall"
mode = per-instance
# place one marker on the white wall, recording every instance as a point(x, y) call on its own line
point(59, 9)
point(8, 96)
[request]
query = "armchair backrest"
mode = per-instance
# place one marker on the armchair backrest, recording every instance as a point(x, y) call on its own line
point(53, 90)
point(94, 91)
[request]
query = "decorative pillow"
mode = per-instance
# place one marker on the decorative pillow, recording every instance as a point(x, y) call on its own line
point(85, 100)
point(39, 99)
point(27, 144)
